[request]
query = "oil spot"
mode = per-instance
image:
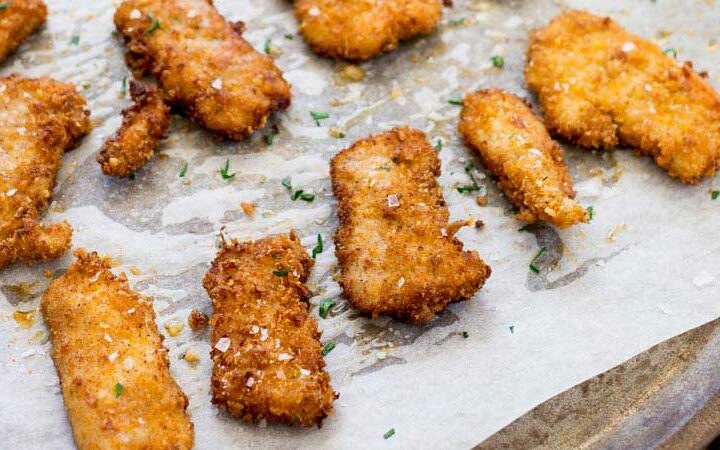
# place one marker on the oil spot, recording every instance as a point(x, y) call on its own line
point(381, 364)
point(540, 281)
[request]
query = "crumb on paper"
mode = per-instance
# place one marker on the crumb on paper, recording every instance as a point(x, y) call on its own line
point(197, 320)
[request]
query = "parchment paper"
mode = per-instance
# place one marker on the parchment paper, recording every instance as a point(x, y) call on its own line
point(644, 270)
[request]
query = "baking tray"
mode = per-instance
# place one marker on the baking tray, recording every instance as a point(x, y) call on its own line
point(642, 272)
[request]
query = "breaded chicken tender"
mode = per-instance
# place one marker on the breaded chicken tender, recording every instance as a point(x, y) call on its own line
point(202, 64)
point(144, 125)
point(361, 29)
point(18, 20)
point(600, 86)
point(267, 354)
point(397, 252)
point(114, 370)
point(40, 119)
point(515, 147)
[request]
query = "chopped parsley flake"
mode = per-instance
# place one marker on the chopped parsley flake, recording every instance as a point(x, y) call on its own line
point(318, 247)
point(438, 145)
point(155, 24)
point(714, 195)
point(118, 389)
point(132, 176)
point(512, 329)
point(183, 171)
point(590, 211)
point(328, 348)
point(289, 36)
point(280, 273)
point(670, 51)
point(270, 138)
point(302, 195)
point(389, 433)
point(385, 168)
point(325, 307)
point(318, 116)
point(456, 22)
point(525, 228)
point(123, 87)
point(224, 171)
point(455, 100)
point(469, 187)
point(465, 334)
point(4, 6)
point(268, 47)
point(75, 40)
point(286, 182)
point(532, 266)
point(498, 61)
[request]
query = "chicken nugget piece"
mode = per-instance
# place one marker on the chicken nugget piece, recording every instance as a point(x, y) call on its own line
point(267, 354)
point(398, 254)
point(144, 124)
point(18, 20)
point(515, 147)
point(202, 63)
point(40, 119)
point(361, 29)
point(600, 86)
point(114, 370)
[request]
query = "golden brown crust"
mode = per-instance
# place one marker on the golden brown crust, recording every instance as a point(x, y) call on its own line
point(18, 20)
point(272, 368)
point(202, 64)
point(600, 86)
point(114, 370)
point(515, 147)
point(359, 30)
point(397, 251)
point(143, 125)
point(41, 119)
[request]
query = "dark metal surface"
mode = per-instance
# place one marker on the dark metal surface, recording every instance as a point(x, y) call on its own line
point(666, 398)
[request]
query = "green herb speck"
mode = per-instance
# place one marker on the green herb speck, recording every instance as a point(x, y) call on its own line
point(280, 273)
point(75, 40)
point(325, 307)
point(671, 52)
point(591, 212)
point(465, 334)
point(328, 348)
point(183, 171)
point(318, 247)
point(714, 195)
point(224, 171)
point(455, 101)
point(154, 26)
point(498, 61)
point(118, 389)
point(534, 260)
point(389, 433)
point(318, 116)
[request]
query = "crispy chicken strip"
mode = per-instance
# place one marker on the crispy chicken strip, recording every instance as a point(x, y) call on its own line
point(202, 63)
point(397, 251)
point(515, 147)
point(40, 119)
point(144, 125)
point(114, 370)
point(18, 20)
point(267, 354)
point(600, 86)
point(360, 29)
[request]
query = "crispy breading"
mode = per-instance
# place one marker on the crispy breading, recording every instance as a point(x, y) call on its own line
point(202, 63)
point(40, 119)
point(600, 86)
point(114, 370)
point(144, 124)
point(397, 252)
point(18, 20)
point(515, 147)
point(360, 29)
point(267, 354)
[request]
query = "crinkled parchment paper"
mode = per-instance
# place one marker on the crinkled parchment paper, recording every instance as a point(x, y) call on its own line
point(644, 270)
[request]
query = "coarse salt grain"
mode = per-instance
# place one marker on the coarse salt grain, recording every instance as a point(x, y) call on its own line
point(217, 84)
point(277, 343)
point(107, 337)
point(113, 356)
point(304, 372)
point(128, 363)
point(401, 282)
point(284, 357)
point(263, 334)
point(628, 47)
point(314, 11)
point(11, 192)
point(393, 200)
point(443, 231)
point(255, 329)
point(135, 14)
point(250, 382)
point(192, 13)
point(223, 344)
